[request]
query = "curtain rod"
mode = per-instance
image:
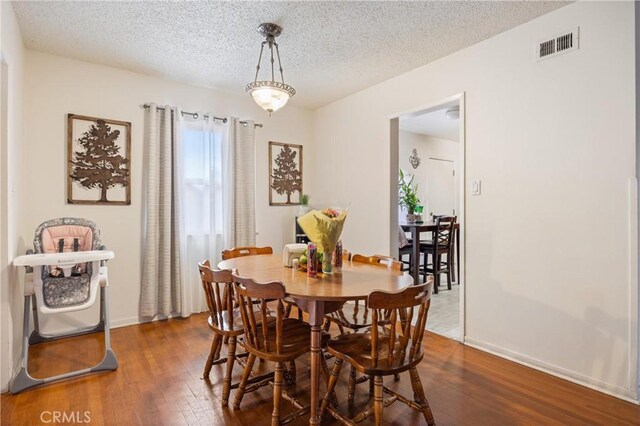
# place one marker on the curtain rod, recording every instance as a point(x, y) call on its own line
point(195, 115)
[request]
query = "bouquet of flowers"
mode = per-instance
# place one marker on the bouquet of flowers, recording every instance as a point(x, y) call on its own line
point(324, 228)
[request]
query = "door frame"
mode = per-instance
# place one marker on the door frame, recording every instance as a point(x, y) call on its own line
point(394, 127)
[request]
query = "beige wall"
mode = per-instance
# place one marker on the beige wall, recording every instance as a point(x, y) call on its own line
point(57, 86)
point(550, 244)
point(11, 190)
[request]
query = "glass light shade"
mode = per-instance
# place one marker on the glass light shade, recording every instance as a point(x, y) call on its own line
point(270, 98)
point(270, 95)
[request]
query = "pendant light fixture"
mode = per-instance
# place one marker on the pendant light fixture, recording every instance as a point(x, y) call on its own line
point(271, 95)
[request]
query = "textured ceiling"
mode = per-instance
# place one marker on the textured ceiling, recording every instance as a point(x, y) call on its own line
point(434, 123)
point(329, 49)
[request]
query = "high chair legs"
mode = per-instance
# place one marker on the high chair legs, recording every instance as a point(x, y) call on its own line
point(23, 380)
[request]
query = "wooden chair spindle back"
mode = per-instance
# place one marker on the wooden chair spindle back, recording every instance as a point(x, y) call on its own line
point(218, 290)
point(387, 308)
point(248, 292)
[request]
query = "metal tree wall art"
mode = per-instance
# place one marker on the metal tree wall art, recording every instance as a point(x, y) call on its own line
point(285, 174)
point(98, 163)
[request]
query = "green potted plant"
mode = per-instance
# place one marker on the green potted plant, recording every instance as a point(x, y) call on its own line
point(304, 204)
point(408, 196)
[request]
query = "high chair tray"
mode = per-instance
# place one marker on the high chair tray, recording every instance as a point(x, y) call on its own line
point(63, 259)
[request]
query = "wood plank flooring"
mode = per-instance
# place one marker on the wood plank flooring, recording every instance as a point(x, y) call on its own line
point(159, 382)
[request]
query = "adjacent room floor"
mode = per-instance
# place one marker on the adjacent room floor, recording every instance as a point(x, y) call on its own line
point(444, 312)
point(159, 382)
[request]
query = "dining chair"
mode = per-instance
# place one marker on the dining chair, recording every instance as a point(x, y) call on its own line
point(280, 341)
point(397, 349)
point(252, 251)
point(245, 251)
point(441, 244)
point(405, 248)
point(225, 322)
point(355, 315)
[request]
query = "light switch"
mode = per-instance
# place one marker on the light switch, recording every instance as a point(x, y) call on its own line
point(475, 187)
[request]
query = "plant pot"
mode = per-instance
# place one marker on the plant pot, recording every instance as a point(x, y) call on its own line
point(303, 209)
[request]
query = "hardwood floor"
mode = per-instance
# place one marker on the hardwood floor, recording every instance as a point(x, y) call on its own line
point(159, 382)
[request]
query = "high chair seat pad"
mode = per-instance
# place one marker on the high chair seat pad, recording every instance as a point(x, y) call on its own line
point(66, 291)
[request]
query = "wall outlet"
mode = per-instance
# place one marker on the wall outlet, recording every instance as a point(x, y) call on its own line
point(476, 187)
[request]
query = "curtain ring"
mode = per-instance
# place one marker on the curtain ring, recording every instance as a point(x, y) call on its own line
point(195, 115)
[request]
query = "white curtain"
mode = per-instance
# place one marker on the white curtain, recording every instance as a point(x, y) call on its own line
point(200, 200)
point(163, 252)
point(207, 200)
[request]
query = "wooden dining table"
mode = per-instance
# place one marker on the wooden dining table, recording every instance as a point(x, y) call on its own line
point(416, 229)
point(319, 295)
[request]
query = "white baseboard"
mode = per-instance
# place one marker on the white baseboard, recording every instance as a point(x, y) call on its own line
point(572, 376)
point(125, 322)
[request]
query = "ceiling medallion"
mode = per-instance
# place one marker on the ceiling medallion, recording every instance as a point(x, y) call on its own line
point(271, 95)
point(414, 159)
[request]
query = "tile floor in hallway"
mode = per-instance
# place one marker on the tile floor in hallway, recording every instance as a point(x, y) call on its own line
point(444, 312)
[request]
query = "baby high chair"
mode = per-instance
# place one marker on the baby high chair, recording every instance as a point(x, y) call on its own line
point(64, 275)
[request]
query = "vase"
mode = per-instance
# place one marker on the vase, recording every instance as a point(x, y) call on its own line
point(327, 263)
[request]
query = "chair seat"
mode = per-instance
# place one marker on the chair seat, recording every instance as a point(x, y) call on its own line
point(352, 316)
point(355, 348)
point(238, 328)
point(296, 341)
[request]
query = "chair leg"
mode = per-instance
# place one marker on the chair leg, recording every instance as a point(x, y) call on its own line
point(378, 401)
point(243, 382)
point(290, 375)
point(231, 357)
point(326, 326)
point(325, 371)
point(436, 272)
point(287, 310)
point(212, 353)
point(217, 354)
point(371, 386)
point(299, 314)
point(449, 269)
point(419, 396)
point(452, 265)
point(277, 395)
point(352, 385)
point(335, 372)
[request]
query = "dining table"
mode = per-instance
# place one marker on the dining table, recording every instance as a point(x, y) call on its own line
point(417, 228)
point(319, 295)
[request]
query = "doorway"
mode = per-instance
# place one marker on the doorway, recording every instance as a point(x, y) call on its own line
point(428, 146)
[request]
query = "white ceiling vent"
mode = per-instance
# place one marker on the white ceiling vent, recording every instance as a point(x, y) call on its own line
point(557, 45)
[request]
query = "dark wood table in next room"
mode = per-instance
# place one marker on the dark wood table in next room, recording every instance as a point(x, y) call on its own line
point(416, 229)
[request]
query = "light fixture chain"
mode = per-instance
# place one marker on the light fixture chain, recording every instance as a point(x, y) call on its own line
point(279, 62)
point(259, 60)
point(273, 76)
